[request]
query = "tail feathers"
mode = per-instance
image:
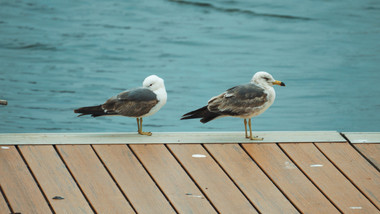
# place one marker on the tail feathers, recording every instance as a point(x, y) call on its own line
point(94, 111)
point(203, 113)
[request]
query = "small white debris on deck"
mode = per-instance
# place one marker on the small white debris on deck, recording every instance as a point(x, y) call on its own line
point(198, 156)
point(316, 165)
point(194, 196)
point(356, 208)
point(5, 147)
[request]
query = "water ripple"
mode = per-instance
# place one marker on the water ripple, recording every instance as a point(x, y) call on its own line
point(34, 46)
point(237, 10)
point(108, 26)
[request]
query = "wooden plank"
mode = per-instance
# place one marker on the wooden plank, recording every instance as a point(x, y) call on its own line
point(363, 137)
point(132, 178)
point(356, 168)
point(55, 179)
point(328, 179)
point(172, 179)
point(167, 137)
point(3, 205)
point(18, 185)
point(93, 179)
point(250, 178)
point(282, 171)
point(371, 152)
point(220, 190)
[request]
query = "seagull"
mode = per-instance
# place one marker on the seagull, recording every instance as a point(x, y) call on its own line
point(244, 101)
point(138, 103)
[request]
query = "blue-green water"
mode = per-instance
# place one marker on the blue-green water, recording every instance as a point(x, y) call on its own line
point(59, 55)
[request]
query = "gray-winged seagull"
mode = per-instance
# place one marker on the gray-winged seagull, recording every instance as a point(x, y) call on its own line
point(138, 103)
point(244, 101)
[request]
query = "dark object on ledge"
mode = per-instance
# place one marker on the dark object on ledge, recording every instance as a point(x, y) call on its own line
point(3, 102)
point(58, 198)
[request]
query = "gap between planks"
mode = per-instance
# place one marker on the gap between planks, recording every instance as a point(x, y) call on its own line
point(179, 162)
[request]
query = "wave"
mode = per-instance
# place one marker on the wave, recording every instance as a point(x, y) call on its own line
point(108, 26)
point(63, 91)
point(35, 46)
point(237, 10)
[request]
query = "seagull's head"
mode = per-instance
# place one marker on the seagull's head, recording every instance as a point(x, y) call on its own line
point(263, 78)
point(153, 82)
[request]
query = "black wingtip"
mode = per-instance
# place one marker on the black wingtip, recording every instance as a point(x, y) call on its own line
point(186, 117)
point(202, 113)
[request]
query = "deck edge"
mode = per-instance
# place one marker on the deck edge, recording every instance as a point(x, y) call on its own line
point(167, 137)
point(362, 137)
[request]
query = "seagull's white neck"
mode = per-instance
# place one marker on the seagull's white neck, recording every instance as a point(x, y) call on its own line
point(161, 97)
point(264, 85)
point(161, 94)
point(268, 88)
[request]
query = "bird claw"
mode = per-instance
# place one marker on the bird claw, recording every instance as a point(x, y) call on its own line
point(256, 138)
point(145, 133)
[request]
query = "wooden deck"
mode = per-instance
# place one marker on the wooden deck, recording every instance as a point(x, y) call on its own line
point(190, 173)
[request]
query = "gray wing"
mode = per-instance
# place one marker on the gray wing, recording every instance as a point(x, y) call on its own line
point(131, 103)
point(239, 100)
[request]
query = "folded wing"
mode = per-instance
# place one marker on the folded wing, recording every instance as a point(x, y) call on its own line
point(238, 101)
point(132, 103)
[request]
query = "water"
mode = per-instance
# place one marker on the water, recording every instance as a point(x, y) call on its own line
point(59, 55)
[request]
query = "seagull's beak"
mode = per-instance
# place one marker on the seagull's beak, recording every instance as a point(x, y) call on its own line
point(276, 82)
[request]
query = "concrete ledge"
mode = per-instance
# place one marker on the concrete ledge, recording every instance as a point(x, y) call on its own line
point(168, 137)
point(362, 137)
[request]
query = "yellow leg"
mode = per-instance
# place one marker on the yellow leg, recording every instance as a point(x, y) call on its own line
point(140, 128)
point(245, 126)
point(250, 131)
point(138, 124)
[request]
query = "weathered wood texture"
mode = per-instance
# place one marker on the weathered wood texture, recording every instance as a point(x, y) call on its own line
point(55, 179)
point(19, 185)
point(172, 179)
point(357, 169)
point(258, 188)
point(3, 205)
point(327, 178)
point(371, 152)
point(190, 178)
point(220, 190)
point(135, 182)
point(94, 180)
point(290, 179)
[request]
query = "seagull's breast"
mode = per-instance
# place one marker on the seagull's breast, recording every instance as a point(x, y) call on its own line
point(271, 95)
point(161, 97)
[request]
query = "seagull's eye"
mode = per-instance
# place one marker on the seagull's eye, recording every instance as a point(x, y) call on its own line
point(151, 84)
point(266, 78)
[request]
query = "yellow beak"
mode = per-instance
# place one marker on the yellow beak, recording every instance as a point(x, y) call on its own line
point(278, 83)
